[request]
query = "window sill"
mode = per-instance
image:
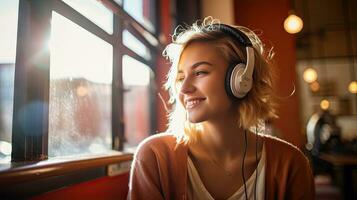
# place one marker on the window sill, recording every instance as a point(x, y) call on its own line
point(19, 172)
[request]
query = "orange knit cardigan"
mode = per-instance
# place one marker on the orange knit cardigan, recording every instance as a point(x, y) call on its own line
point(159, 170)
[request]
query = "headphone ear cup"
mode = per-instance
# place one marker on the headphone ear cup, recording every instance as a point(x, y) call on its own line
point(236, 79)
point(232, 82)
point(228, 79)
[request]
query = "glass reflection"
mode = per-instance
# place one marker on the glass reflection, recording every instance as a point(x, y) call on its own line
point(134, 44)
point(8, 40)
point(80, 90)
point(143, 11)
point(136, 78)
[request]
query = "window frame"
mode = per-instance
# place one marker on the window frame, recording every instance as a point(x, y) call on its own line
point(32, 83)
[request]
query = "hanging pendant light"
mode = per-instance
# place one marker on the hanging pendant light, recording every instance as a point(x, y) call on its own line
point(293, 23)
point(324, 104)
point(352, 87)
point(310, 75)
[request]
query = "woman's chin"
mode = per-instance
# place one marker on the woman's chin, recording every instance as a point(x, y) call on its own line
point(194, 119)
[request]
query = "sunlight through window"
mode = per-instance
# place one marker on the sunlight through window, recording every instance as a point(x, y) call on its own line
point(81, 67)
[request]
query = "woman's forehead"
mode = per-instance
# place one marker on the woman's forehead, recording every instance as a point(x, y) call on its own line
point(200, 52)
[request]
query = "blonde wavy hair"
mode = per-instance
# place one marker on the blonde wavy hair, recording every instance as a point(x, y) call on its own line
point(256, 107)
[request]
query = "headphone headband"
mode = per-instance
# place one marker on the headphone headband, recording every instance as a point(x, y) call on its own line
point(235, 33)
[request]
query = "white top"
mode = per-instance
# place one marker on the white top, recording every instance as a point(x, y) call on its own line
point(196, 189)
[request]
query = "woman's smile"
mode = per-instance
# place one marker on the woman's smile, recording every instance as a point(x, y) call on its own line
point(193, 102)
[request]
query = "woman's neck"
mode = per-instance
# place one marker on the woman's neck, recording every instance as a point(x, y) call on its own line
point(223, 137)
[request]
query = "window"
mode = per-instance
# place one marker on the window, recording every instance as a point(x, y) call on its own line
point(94, 11)
point(80, 90)
point(87, 84)
point(137, 78)
point(134, 44)
point(143, 12)
point(8, 36)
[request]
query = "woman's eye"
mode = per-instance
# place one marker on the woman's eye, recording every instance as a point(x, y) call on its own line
point(198, 73)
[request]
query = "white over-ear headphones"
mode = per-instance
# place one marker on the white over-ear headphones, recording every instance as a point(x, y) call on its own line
point(239, 76)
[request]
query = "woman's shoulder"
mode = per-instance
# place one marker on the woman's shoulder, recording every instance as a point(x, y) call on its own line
point(276, 146)
point(158, 140)
point(287, 167)
point(161, 143)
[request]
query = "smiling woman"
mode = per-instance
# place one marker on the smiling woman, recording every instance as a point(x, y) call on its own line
point(216, 45)
point(221, 89)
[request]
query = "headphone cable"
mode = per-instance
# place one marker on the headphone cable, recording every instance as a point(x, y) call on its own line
point(256, 163)
point(245, 152)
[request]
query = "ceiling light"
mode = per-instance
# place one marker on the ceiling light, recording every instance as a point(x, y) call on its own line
point(293, 24)
point(324, 104)
point(310, 75)
point(352, 87)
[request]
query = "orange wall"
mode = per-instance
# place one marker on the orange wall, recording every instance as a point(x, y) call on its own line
point(268, 16)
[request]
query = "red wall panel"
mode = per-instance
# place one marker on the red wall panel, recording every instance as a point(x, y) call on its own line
point(163, 65)
point(105, 188)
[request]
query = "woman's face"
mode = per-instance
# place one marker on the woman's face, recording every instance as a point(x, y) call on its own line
point(201, 75)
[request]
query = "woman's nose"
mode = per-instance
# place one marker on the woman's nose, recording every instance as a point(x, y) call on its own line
point(187, 86)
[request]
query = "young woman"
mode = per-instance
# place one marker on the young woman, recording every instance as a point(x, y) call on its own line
point(220, 84)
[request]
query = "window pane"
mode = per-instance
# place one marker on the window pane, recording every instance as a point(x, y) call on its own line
point(94, 11)
point(144, 11)
point(8, 37)
point(80, 90)
point(120, 2)
point(136, 78)
point(134, 44)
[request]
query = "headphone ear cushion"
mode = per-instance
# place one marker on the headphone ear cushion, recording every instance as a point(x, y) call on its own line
point(233, 74)
point(227, 82)
point(239, 70)
point(236, 80)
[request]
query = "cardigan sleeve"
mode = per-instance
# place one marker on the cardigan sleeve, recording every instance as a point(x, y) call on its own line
point(300, 185)
point(144, 180)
